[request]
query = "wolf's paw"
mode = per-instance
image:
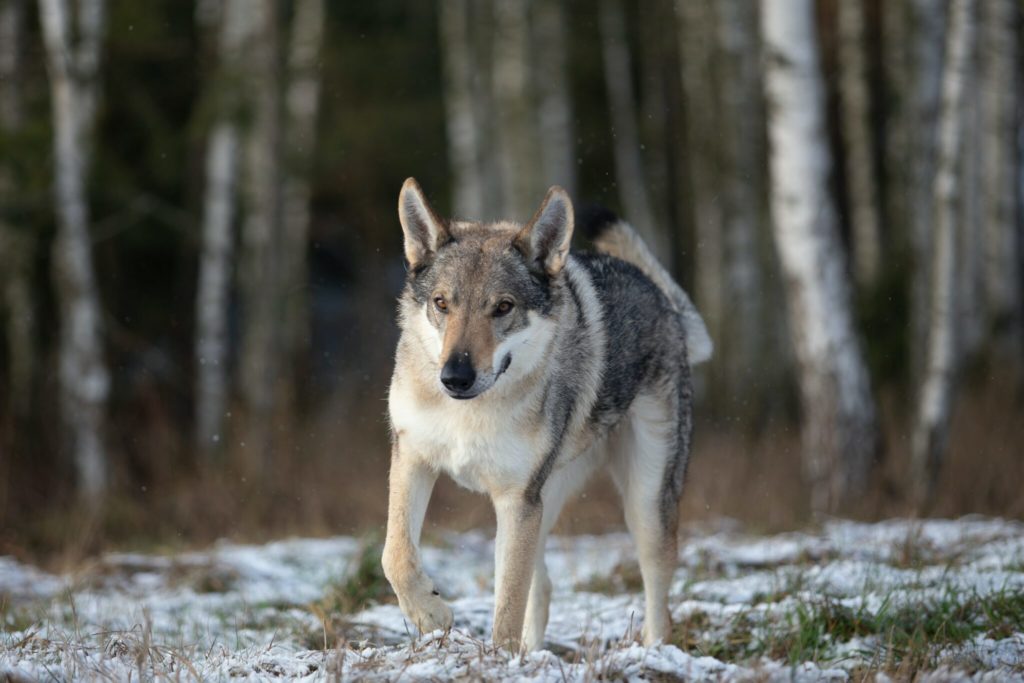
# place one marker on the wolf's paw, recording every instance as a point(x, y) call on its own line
point(430, 613)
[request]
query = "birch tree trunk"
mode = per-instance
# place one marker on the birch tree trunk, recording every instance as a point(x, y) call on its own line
point(303, 102)
point(741, 328)
point(935, 402)
point(261, 262)
point(999, 100)
point(237, 31)
point(554, 104)
point(928, 28)
point(856, 132)
point(701, 113)
point(839, 424)
point(16, 243)
point(73, 33)
point(518, 156)
point(462, 120)
point(970, 224)
point(629, 167)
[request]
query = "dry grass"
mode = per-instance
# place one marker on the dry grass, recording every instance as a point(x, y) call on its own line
point(330, 477)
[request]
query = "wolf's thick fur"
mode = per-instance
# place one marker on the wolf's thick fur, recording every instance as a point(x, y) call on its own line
point(572, 361)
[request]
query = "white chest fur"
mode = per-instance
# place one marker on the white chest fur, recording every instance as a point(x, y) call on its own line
point(486, 444)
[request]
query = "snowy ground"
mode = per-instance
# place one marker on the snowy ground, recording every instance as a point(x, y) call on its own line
point(899, 597)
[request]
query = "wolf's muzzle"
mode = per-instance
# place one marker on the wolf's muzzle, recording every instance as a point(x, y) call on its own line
point(458, 376)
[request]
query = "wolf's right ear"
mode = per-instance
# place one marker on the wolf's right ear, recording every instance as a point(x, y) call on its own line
point(545, 239)
point(425, 232)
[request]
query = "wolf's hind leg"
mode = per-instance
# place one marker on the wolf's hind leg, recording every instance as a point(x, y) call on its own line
point(562, 484)
point(539, 603)
point(647, 472)
point(410, 483)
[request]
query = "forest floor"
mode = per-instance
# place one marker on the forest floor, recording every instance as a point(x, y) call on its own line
point(844, 601)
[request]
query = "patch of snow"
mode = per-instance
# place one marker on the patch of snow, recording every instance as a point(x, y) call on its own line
point(245, 610)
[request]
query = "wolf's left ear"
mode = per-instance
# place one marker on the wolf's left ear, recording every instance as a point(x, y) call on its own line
point(425, 232)
point(545, 239)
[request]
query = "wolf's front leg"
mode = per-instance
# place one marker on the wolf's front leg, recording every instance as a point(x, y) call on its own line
point(519, 525)
point(410, 484)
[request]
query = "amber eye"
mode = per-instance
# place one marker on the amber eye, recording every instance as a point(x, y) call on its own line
point(503, 308)
point(440, 304)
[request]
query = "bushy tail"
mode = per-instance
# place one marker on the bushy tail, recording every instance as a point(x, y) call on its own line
point(615, 237)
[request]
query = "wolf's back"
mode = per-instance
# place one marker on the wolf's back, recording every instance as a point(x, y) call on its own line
point(615, 237)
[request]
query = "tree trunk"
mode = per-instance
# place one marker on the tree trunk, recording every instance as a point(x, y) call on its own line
point(656, 51)
point(927, 27)
point(701, 113)
point(17, 248)
point(518, 156)
point(463, 119)
point(970, 233)
point(839, 425)
point(999, 98)
point(554, 105)
point(897, 126)
point(740, 331)
point(73, 51)
point(935, 403)
point(261, 262)
point(856, 132)
point(303, 100)
point(629, 168)
point(12, 29)
point(16, 242)
point(237, 31)
point(214, 287)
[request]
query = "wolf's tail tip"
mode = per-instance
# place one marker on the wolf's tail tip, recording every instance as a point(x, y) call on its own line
point(593, 220)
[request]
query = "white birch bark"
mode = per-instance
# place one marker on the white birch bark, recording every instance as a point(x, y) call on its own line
point(303, 103)
point(935, 402)
point(741, 329)
point(999, 99)
point(697, 51)
point(839, 424)
point(462, 118)
point(72, 33)
point(16, 243)
point(483, 20)
point(554, 104)
point(629, 167)
point(261, 258)
point(237, 30)
point(856, 133)
point(518, 156)
point(214, 287)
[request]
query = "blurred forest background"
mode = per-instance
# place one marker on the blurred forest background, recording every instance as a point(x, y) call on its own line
point(200, 253)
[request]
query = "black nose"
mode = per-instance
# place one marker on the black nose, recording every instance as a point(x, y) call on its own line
point(458, 373)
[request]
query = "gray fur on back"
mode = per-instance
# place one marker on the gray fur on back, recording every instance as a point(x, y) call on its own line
point(615, 237)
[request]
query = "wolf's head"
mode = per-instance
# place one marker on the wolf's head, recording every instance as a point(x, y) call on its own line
point(481, 295)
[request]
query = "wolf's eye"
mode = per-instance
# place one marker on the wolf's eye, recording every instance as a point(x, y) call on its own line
point(440, 304)
point(503, 308)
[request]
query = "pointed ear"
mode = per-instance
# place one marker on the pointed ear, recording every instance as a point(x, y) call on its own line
point(424, 231)
point(545, 239)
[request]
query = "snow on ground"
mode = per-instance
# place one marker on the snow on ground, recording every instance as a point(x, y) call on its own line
point(945, 597)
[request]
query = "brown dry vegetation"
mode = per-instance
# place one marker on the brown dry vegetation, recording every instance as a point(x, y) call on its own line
point(333, 480)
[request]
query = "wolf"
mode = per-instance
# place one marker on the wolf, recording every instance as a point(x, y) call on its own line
point(521, 368)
